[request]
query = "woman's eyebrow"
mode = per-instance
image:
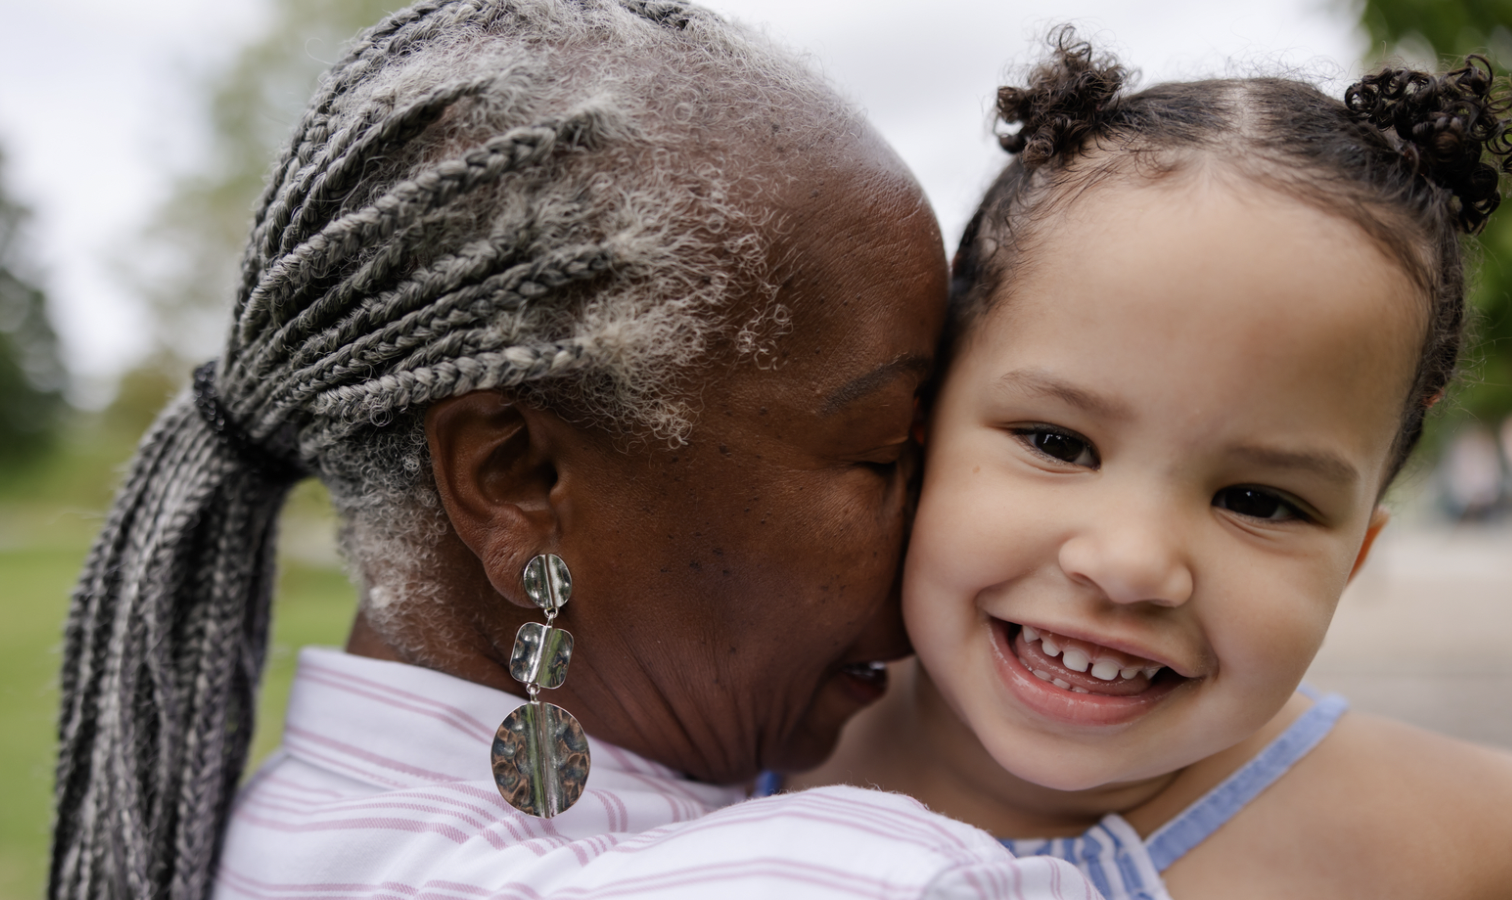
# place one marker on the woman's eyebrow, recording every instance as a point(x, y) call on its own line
point(875, 380)
point(1039, 383)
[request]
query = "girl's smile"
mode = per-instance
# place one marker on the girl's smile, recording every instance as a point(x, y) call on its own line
point(1151, 469)
point(1079, 683)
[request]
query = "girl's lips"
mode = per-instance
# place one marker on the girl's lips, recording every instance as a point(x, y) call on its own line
point(1113, 704)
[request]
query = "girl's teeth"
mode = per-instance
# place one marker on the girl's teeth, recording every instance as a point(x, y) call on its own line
point(1078, 660)
point(1075, 660)
point(1106, 670)
point(1063, 685)
point(1079, 690)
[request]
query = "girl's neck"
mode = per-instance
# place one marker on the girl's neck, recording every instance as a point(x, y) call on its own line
point(914, 743)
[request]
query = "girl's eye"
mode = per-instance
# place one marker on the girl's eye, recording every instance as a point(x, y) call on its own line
point(1256, 503)
point(1062, 446)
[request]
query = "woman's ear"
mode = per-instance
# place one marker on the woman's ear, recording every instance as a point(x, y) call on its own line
point(493, 462)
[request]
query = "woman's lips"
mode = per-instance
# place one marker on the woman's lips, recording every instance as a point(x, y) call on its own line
point(1084, 699)
point(866, 681)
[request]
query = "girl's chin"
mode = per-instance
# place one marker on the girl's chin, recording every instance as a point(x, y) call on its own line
point(1072, 764)
point(1057, 768)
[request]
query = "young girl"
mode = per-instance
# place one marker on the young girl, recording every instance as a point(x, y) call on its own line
point(1196, 330)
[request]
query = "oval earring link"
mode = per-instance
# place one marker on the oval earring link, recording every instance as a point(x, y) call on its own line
point(540, 754)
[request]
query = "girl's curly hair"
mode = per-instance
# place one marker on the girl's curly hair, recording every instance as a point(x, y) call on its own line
point(1413, 158)
point(1443, 125)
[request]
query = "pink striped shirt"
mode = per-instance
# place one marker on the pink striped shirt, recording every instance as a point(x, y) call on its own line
point(383, 790)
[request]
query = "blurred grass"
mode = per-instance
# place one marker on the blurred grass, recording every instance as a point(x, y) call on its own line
point(49, 513)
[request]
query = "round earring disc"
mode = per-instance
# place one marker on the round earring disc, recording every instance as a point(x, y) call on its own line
point(548, 583)
point(540, 759)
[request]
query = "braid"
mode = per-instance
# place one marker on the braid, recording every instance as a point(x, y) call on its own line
point(369, 51)
point(346, 150)
point(463, 207)
point(163, 647)
point(303, 268)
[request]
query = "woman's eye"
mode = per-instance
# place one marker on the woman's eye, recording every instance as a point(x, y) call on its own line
point(1256, 503)
point(886, 460)
point(1062, 446)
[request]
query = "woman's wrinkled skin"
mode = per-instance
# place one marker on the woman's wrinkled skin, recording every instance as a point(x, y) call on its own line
point(719, 588)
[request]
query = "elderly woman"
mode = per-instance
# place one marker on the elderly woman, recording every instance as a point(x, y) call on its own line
point(603, 322)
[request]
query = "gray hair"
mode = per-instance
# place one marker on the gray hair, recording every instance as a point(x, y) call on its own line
point(555, 198)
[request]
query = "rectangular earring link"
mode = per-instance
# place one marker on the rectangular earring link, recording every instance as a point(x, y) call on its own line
point(540, 656)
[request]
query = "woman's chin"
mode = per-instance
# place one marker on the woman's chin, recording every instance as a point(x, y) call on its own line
point(839, 698)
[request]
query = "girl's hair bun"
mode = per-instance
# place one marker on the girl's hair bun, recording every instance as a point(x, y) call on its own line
point(1443, 124)
point(1069, 97)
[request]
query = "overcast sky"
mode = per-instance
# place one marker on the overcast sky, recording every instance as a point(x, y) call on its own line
point(98, 107)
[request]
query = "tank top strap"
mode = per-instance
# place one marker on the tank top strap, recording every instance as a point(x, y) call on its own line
point(1195, 823)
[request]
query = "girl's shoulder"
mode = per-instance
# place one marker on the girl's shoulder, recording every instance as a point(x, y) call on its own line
point(1449, 797)
point(1378, 809)
point(1441, 803)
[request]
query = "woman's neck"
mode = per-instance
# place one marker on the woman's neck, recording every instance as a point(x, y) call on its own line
point(912, 742)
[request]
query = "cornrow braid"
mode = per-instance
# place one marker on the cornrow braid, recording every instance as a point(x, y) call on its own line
point(463, 207)
point(301, 271)
point(392, 35)
point(1413, 158)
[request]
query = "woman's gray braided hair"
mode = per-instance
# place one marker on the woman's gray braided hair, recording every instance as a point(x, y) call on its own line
point(551, 197)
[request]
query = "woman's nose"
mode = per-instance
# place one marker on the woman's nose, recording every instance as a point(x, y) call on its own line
point(1135, 559)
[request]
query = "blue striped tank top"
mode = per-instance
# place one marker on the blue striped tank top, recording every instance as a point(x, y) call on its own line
point(1125, 867)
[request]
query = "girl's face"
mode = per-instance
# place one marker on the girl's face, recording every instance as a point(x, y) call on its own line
point(1161, 452)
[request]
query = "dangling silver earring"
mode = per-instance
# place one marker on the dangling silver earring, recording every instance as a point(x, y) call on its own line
point(540, 756)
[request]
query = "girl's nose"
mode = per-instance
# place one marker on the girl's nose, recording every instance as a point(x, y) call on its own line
point(1139, 560)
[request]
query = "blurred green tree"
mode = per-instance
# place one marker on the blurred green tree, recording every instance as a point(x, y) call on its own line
point(1446, 30)
point(186, 265)
point(32, 376)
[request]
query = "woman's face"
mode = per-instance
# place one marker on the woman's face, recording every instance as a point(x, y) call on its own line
point(729, 594)
point(1159, 454)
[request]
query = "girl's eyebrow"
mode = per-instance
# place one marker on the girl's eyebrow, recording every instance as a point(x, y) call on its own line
point(1321, 462)
point(1040, 383)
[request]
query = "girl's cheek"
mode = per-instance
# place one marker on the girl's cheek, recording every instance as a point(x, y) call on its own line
point(953, 545)
point(931, 572)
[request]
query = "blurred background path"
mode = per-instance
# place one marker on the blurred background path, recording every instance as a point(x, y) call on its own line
point(1424, 634)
